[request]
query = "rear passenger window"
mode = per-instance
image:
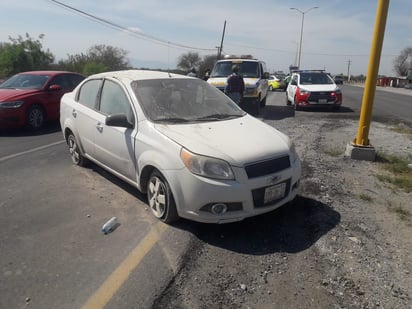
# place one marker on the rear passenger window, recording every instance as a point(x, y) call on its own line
point(88, 93)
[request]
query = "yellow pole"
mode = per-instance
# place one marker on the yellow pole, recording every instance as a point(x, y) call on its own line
point(362, 139)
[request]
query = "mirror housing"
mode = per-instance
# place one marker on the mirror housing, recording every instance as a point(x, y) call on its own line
point(55, 87)
point(118, 120)
point(266, 75)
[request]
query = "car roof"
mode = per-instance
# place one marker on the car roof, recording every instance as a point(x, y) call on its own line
point(239, 60)
point(50, 72)
point(138, 75)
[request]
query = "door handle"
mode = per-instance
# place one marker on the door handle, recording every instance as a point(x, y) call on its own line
point(74, 113)
point(99, 127)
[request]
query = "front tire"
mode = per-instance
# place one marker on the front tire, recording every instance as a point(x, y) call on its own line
point(160, 198)
point(35, 117)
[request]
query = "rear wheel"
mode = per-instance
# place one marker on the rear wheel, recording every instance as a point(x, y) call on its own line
point(160, 198)
point(74, 150)
point(35, 117)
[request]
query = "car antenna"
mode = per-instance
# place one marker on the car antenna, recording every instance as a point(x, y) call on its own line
point(168, 59)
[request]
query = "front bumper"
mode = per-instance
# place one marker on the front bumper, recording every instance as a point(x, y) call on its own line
point(244, 196)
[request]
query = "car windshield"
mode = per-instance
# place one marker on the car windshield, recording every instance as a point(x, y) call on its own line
point(182, 100)
point(25, 81)
point(246, 69)
point(315, 79)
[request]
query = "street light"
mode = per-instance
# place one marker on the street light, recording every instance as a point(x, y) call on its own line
point(301, 29)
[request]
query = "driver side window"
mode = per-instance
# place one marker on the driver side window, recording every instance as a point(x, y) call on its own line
point(114, 100)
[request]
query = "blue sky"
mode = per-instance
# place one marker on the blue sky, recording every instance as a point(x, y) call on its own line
point(337, 32)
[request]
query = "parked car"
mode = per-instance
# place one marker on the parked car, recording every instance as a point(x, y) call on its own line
point(313, 88)
point(338, 79)
point(29, 99)
point(254, 74)
point(174, 138)
point(274, 83)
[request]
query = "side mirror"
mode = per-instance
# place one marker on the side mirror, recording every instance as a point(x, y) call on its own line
point(266, 75)
point(55, 87)
point(118, 120)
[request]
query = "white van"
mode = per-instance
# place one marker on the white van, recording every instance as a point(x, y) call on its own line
point(254, 75)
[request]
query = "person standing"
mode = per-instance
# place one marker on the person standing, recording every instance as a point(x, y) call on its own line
point(235, 85)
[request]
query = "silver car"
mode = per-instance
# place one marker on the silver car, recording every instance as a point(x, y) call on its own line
point(194, 152)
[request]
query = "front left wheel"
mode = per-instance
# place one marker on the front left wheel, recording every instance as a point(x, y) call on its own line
point(35, 117)
point(160, 198)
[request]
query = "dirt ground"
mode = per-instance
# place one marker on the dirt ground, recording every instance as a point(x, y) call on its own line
point(346, 241)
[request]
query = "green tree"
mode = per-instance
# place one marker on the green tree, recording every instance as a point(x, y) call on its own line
point(98, 58)
point(403, 62)
point(207, 63)
point(24, 54)
point(93, 68)
point(188, 61)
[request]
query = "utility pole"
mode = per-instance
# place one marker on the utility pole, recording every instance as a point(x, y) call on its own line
point(219, 51)
point(349, 62)
point(360, 148)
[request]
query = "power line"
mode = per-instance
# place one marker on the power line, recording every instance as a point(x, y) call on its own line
point(307, 53)
point(115, 26)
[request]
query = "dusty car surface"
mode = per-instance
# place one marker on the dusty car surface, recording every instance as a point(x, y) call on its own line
point(29, 99)
point(194, 152)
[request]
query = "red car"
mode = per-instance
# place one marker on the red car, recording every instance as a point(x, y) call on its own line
point(29, 99)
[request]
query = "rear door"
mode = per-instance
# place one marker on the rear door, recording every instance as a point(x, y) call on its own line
point(85, 114)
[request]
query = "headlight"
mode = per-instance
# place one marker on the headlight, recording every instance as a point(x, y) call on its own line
point(12, 104)
point(206, 166)
point(293, 154)
point(303, 91)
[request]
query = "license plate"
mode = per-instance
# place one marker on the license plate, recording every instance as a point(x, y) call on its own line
point(322, 101)
point(274, 192)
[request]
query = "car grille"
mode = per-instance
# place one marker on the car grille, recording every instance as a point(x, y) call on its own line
point(267, 167)
point(321, 95)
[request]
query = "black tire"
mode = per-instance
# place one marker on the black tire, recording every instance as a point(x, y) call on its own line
point(35, 117)
point(75, 152)
point(160, 198)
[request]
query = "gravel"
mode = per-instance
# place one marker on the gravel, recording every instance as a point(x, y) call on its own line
point(341, 244)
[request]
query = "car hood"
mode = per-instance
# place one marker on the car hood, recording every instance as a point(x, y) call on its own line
point(15, 94)
point(238, 141)
point(325, 87)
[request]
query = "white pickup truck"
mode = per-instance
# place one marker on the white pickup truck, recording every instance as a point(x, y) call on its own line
point(254, 74)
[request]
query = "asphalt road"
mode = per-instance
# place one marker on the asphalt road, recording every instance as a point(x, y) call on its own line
point(53, 254)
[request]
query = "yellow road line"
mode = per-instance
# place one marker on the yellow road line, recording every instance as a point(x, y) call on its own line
point(113, 283)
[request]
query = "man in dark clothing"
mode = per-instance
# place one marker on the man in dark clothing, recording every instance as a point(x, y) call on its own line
point(235, 85)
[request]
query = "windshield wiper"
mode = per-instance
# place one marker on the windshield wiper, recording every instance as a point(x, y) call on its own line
point(217, 117)
point(172, 119)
